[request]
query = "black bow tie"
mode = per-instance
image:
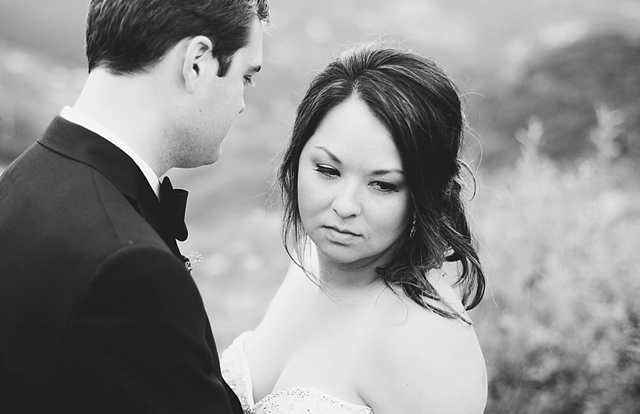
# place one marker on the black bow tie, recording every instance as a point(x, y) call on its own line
point(173, 204)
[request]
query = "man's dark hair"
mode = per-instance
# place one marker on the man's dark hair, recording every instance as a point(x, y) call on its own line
point(130, 36)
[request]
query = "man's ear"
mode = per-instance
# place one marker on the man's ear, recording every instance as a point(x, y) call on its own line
point(198, 62)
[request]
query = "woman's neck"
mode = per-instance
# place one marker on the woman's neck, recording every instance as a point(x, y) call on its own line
point(347, 281)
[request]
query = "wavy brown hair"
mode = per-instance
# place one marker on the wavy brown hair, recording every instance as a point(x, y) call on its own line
point(421, 108)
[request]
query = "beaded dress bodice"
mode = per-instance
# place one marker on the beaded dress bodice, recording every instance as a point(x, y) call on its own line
point(235, 370)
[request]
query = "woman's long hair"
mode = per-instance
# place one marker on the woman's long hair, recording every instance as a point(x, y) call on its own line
point(421, 109)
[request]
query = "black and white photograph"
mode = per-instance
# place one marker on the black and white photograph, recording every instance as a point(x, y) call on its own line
point(330, 207)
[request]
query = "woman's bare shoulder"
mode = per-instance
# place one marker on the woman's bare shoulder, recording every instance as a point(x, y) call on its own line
point(422, 361)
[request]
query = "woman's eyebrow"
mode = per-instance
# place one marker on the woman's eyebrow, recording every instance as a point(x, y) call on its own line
point(330, 154)
point(334, 158)
point(385, 172)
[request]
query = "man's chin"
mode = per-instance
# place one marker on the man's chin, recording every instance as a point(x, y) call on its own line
point(200, 160)
point(214, 157)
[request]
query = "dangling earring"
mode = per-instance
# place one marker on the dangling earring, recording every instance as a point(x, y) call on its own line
point(412, 232)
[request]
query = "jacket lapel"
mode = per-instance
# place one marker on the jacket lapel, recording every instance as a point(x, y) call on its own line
point(75, 142)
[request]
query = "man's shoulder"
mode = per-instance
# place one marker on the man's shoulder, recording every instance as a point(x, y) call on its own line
point(49, 200)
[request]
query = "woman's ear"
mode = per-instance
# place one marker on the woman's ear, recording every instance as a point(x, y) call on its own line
point(198, 62)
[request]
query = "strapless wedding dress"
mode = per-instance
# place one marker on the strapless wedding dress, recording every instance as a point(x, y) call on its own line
point(235, 370)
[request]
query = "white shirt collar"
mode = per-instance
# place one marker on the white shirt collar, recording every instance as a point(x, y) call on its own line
point(76, 117)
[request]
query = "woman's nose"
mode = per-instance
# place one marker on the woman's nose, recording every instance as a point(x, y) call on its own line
point(347, 200)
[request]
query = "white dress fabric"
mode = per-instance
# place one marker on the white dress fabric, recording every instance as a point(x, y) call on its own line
point(235, 370)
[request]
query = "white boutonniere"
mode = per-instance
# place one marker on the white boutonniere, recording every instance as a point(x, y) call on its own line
point(191, 260)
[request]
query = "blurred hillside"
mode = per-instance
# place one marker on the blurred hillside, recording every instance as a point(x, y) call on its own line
point(488, 47)
point(556, 215)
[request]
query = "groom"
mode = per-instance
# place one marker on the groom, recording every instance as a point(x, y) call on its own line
point(98, 313)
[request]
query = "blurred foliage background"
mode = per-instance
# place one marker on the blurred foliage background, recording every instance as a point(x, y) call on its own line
point(552, 90)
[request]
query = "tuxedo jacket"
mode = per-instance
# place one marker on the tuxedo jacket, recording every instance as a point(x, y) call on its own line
point(97, 310)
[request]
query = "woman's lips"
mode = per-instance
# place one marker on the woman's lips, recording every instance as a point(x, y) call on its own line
point(339, 235)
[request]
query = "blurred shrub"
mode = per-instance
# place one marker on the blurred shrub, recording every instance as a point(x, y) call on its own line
point(560, 325)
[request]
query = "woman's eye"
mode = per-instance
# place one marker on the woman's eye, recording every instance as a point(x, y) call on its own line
point(384, 187)
point(326, 170)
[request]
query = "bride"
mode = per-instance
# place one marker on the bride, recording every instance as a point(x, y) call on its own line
point(373, 319)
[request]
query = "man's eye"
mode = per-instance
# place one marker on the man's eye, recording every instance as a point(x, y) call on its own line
point(248, 81)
